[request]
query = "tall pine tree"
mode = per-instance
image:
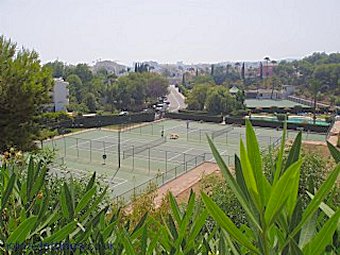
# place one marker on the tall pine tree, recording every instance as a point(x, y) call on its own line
point(24, 89)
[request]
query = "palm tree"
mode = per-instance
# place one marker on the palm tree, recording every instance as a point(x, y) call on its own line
point(237, 66)
point(267, 59)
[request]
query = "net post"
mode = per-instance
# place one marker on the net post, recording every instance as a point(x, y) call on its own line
point(104, 147)
point(184, 162)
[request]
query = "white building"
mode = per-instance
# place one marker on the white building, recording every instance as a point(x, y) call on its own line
point(60, 95)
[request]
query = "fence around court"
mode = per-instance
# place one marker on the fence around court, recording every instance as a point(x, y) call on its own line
point(162, 164)
point(148, 129)
point(160, 179)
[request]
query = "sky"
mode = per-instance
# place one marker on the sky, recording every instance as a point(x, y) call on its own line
point(167, 31)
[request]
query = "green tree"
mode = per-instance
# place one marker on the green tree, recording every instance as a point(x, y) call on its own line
point(90, 102)
point(75, 88)
point(219, 101)
point(24, 89)
point(197, 97)
point(84, 72)
point(57, 67)
point(156, 85)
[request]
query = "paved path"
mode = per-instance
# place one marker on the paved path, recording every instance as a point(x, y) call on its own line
point(176, 99)
point(333, 135)
point(184, 182)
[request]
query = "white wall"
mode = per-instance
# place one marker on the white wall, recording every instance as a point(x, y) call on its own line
point(60, 95)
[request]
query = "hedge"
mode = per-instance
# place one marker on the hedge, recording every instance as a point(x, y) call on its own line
point(194, 116)
point(278, 124)
point(100, 121)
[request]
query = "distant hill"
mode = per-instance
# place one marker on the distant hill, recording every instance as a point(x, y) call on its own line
point(109, 66)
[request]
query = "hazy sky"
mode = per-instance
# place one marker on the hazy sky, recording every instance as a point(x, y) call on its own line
point(171, 30)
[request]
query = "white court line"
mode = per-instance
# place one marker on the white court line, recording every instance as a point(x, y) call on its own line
point(114, 144)
point(167, 129)
point(120, 183)
point(182, 153)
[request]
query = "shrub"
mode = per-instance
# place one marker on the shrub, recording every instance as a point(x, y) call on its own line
point(277, 222)
point(281, 116)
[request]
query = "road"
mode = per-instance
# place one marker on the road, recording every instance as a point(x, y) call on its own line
point(176, 99)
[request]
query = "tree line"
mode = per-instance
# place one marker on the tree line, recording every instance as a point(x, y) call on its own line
point(104, 91)
point(207, 96)
point(26, 86)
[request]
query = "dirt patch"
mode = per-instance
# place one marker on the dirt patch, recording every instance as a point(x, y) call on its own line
point(181, 186)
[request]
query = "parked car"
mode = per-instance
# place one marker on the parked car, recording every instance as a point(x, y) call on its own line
point(123, 113)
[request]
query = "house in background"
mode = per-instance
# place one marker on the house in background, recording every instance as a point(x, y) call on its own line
point(234, 90)
point(60, 95)
point(284, 93)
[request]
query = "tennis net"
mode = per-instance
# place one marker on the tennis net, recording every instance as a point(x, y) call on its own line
point(221, 132)
point(140, 148)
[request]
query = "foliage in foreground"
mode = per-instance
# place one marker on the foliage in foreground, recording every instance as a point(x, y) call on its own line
point(36, 214)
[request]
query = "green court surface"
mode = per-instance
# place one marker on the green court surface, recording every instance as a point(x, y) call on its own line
point(146, 156)
point(281, 103)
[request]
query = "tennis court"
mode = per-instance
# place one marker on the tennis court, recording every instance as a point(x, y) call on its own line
point(128, 160)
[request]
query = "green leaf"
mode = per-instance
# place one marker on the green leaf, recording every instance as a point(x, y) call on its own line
point(279, 160)
point(140, 223)
point(324, 207)
point(175, 209)
point(183, 226)
point(224, 222)
point(254, 154)
point(94, 205)
point(108, 230)
point(91, 182)
point(62, 233)
point(281, 191)
point(127, 244)
point(233, 184)
point(39, 182)
point(308, 231)
point(85, 199)
point(30, 178)
point(318, 198)
point(319, 242)
point(153, 244)
point(334, 152)
point(20, 234)
point(239, 178)
point(294, 153)
point(8, 191)
point(68, 200)
point(196, 229)
point(249, 176)
point(172, 227)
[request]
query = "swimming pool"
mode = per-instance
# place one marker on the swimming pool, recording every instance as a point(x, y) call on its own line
point(299, 120)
